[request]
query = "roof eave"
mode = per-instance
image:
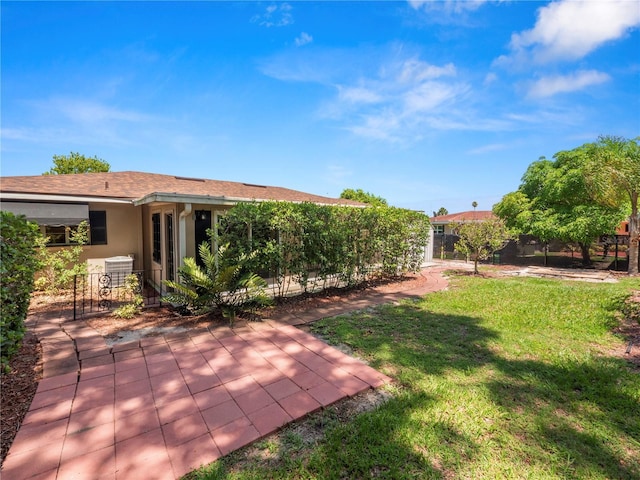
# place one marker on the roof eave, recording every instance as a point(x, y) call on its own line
point(166, 197)
point(161, 197)
point(44, 197)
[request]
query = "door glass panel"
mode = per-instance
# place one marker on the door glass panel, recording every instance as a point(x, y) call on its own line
point(170, 254)
point(202, 224)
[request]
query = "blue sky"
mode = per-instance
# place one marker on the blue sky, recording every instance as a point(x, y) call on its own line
point(427, 104)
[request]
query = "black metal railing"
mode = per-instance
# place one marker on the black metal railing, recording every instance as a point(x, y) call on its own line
point(100, 292)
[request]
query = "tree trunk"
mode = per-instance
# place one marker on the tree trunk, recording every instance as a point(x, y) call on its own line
point(634, 237)
point(584, 249)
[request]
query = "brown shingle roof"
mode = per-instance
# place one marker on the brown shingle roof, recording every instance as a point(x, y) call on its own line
point(135, 185)
point(461, 217)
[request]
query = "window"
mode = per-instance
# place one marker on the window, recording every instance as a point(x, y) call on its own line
point(59, 234)
point(98, 227)
point(438, 229)
point(155, 222)
point(56, 235)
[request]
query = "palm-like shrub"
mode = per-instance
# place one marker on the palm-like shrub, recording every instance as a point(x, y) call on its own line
point(222, 282)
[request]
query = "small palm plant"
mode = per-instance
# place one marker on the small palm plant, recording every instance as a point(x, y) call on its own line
point(221, 283)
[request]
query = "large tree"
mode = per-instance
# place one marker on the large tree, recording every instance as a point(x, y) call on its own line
point(554, 202)
point(77, 163)
point(613, 178)
point(360, 195)
point(522, 216)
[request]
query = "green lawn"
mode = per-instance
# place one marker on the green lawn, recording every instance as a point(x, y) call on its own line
point(496, 378)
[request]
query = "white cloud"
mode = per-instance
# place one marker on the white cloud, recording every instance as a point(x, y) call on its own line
point(385, 125)
point(490, 78)
point(391, 95)
point(81, 120)
point(414, 70)
point(571, 29)
point(358, 95)
point(455, 6)
point(428, 96)
point(302, 65)
point(303, 39)
point(552, 85)
point(275, 16)
point(399, 100)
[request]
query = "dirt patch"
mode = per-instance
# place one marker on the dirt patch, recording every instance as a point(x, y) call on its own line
point(630, 351)
point(629, 329)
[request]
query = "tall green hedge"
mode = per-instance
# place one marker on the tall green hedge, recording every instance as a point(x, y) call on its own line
point(320, 246)
point(18, 264)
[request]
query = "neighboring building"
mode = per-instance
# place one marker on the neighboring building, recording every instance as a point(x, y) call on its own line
point(157, 220)
point(623, 229)
point(444, 239)
point(442, 224)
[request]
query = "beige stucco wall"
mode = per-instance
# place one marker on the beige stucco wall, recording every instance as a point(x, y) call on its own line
point(124, 235)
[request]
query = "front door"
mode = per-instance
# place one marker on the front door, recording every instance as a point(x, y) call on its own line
point(202, 224)
point(163, 246)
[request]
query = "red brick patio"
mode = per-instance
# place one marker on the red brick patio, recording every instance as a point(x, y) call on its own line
point(162, 406)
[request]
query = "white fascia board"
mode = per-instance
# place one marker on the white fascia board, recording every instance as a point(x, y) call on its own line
point(159, 197)
point(40, 197)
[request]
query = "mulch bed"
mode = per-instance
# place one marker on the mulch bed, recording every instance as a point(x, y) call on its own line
point(165, 317)
point(17, 388)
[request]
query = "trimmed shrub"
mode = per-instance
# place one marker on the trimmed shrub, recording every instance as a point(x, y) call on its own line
point(324, 246)
point(18, 264)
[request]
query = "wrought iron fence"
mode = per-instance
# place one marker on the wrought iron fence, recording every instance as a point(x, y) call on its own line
point(99, 292)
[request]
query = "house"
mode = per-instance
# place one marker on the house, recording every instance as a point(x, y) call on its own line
point(444, 239)
point(442, 224)
point(155, 220)
point(623, 229)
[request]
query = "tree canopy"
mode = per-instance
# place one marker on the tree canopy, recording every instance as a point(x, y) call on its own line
point(441, 212)
point(613, 179)
point(360, 195)
point(554, 202)
point(77, 163)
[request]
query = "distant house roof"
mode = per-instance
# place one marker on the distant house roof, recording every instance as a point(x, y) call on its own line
point(138, 186)
point(463, 217)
